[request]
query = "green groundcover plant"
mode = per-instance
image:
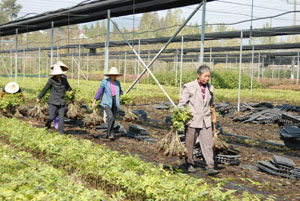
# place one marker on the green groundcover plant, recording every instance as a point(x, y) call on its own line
point(127, 173)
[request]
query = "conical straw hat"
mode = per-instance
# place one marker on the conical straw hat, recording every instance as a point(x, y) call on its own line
point(56, 70)
point(113, 71)
point(11, 87)
point(63, 66)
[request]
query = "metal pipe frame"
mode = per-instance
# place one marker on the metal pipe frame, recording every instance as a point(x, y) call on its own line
point(297, 81)
point(78, 73)
point(252, 69)
point(240, 72)
point(16, 57)
point(52, 40)
point(155, 58)
point(202, 32)
point(107, 43)
point(181, 63)
point(125, 63)
point(39, 64)
point(24, 64)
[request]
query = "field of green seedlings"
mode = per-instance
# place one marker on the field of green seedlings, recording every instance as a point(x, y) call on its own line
point(39, 165)
point(152, 93)
point(36, 164)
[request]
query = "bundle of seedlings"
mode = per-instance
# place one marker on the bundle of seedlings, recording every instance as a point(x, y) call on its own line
point(171, 144)
point(37, 112)
point(18, 114)
point(74, 110)
point(93, 119)
point(40, 109)
point(9, 104)
point(129, 116)
point(219, 144)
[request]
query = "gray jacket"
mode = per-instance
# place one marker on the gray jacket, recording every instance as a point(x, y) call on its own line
point(57, 90)
point(192, 96)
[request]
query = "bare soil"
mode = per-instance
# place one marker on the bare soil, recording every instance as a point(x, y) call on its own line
point(244, 177)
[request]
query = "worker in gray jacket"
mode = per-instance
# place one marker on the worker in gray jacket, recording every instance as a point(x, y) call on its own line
point(198, 95)
point(58, 86)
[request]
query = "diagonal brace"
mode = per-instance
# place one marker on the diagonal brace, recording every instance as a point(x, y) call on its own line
point(141, 60)
point(158, 54)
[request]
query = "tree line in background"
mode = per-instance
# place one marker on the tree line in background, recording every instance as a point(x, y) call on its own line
point(9, 10)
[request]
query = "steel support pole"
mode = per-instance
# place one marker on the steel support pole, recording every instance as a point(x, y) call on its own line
point(258, 69)
point(10, 63)
point(138, 67)
point(164, 47)
point(210, 59)
point(240, 72)
point(57, 54)
point(107, 43)
point(202, 32)
point(39, 64)
point(119, 63)
point(176, 68)
point(262, 67)
point(78, 73)
point(87, 67)
point(252, 68)
point(181, 63)
point(46, 66)
point(52, 41)
point(148, 64)
point(23, 64)
point(297, 81)
point(16, 57)
point(72, 66)
point(125, 57)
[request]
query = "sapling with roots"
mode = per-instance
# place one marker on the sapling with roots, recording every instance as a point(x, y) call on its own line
point(40, 109)
point(129, 116)
point(171, 144)
point(74, 109)
point(219, 144)
point(92, 119)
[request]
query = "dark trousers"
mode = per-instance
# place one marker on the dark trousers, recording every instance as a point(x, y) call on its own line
point(53, 110)
point(111, 116)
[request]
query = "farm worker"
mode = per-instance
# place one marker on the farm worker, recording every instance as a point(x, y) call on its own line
point(198, 95)
point(12, 88)
point(58, 86)
point(110, 91)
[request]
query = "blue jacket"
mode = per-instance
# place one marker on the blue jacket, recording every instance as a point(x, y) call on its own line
point(106, 100)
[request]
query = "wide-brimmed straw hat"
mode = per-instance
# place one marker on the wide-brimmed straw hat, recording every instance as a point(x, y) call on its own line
point(63, 66)
point(56, 70)
point(12, 87)
point(113, 71)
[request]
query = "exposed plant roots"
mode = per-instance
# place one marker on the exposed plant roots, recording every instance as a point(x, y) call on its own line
point(93, 119)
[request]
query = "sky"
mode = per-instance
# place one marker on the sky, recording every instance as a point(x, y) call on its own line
point(221, 11)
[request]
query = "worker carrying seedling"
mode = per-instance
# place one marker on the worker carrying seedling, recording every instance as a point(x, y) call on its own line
point(198, 95)
point(12, 88)
point(58, 85)
point(110, 91)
